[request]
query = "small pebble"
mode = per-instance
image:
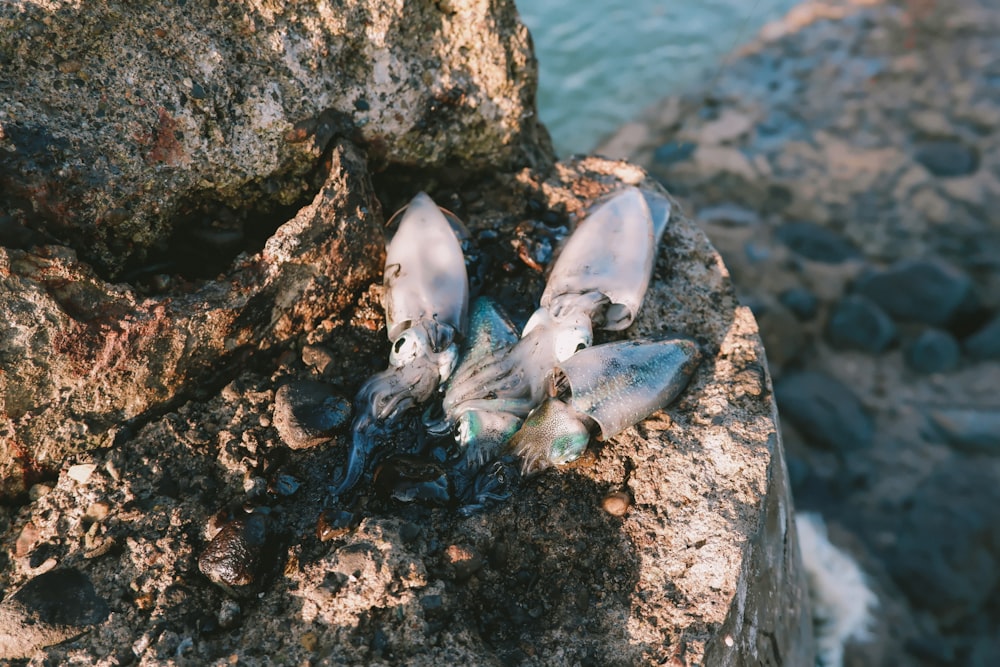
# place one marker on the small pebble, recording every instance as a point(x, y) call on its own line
point(463, 561)
point(971, 430)
point(729, 215)
point(801, 302)
point(38, 491)
point(984, 343)
point(617, 504)
point(98, 511)
point(858, 324)
point(921, 290)
point(81, 473)
point(933, 351)
point(334, 523)
point(947, 159)
point(816, 243)
point(308, 413)
point(233, 558)
point(317, 357)
point(230, 614)
point(673, 152)
point(825, 410)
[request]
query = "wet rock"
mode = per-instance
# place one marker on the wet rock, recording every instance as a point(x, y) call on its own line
point(971, 430)
point(933, 351)
point(824, 410)
point(947, 159)
point(857, 323)
point(49, 609)
point(462, 561)
point(234, 557)
point(800, 302)
point(308, 413)
point(816, 243)
point(984, 343)
point(921, 290)
point(335, 523)
point(413, 479)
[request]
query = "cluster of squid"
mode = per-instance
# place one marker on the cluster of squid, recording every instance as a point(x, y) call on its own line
point(510, 404)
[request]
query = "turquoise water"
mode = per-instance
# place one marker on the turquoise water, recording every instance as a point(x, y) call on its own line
point(604, 61)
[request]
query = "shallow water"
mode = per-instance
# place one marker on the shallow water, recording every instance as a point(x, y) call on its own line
point(604, 61)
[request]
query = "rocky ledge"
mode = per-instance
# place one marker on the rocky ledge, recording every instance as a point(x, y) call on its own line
point(169, 440)
point(847, 166)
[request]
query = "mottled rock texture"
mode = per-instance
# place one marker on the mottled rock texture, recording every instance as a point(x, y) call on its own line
point(119, 121)
point(701, 568)
point(192, 220)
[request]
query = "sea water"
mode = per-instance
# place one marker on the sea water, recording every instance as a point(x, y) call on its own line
point(603, 61)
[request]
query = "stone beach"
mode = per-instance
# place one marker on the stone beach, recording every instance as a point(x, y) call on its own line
point(847, 166)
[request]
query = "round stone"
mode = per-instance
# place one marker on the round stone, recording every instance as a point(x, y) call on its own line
point(933, 351)
point(859, 324)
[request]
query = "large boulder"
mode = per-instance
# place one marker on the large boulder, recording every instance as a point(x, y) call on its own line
point(122, 124)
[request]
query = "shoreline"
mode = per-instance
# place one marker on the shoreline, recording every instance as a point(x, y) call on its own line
point(847, 167)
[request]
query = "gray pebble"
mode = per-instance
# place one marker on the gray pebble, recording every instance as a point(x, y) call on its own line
point(858, 324)
point(308, 413)
point(933, 351)
point(825, 410)
point(816, 243)
point(49, 609)
point(729, 215)
point(985, 343)
point(800, 302)
point(947, 159)
point(972, 430)
point(921, 290)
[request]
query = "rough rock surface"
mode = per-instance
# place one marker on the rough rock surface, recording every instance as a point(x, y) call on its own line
point(81, 357)
point(879, 124)
point(700, 567)
point(128, 127)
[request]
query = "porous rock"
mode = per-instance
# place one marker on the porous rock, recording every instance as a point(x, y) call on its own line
point(698, 570)
point(117, 121)
point(80, 356)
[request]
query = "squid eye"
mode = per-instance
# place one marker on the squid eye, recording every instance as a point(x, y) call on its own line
point(406, 348)
point(569, 342)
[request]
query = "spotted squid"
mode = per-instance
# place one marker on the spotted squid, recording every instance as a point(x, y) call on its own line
point(425, 298)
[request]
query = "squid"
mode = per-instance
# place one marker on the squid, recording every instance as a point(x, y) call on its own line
point(598, 280)
point(602, 391)
point(425, 298)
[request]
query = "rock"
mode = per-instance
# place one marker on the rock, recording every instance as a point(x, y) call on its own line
point(857, 323)
point(51, 608)
point(188, 111)
point(308, 413)
point(730, 215)
point(816, 243)
point(673, 152)
point(731, 124)
point(616, 504)
point(825, 410)
point(82, 356)
point(971, 430)
point(800, 302)
point(234, 557)
point(933, 351)
point(947, 159)
point(918, 290)
point(985, 342)
point(945, 552)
